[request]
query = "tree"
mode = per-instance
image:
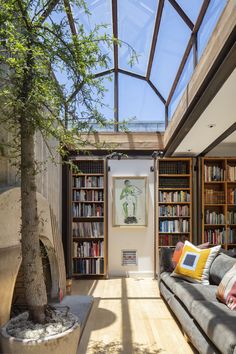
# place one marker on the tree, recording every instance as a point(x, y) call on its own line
point(39, 38)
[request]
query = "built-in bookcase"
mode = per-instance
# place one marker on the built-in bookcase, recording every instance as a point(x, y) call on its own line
point(174, 201)
point(88, 213)
point(219, 201)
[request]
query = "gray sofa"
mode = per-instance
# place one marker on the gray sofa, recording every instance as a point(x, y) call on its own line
point(209, 324)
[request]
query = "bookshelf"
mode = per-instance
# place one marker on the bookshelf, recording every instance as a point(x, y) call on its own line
point(174, 201)
point(219, 201)
point(88, 218)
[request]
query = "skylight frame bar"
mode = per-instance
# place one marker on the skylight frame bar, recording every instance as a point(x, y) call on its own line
point(191, 44)
point(51, 5)
point(154, 38)
point(130, 73)
point(104, 73)
point(70, 18)
point(116, 64)
point(156, 91)
point(182, 14)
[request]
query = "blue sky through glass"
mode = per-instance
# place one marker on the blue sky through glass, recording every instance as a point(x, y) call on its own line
point(135, 26)
point(171, 44)
point(191, 8)
point(208, 24)
point(138, 101)
point(183, 81)
point(100, 14)
point(136, 19)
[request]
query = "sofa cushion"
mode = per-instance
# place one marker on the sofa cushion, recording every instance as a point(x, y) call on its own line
point(218, 322)
point(221, 265)
point(170, 281)
point(187, 293)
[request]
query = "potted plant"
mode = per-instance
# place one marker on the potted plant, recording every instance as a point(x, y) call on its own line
point(35, 44)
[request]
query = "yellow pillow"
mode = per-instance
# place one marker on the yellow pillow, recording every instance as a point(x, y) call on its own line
point(194, 263)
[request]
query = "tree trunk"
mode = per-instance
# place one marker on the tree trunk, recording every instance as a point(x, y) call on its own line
point(35, 288)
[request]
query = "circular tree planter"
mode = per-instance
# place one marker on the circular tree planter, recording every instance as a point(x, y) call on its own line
point(65, 342)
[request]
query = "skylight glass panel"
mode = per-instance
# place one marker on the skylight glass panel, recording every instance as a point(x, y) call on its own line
point(100, 15)
point(172, 41)
point(136, 19)
point(209, 22)
point(182, 84)
point(191, 8)
point(139, 106)
point(104, 105)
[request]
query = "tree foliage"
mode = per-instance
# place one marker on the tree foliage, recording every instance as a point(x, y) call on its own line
point(37, 43)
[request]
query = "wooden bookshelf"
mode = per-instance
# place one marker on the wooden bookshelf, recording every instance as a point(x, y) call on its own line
point(219, 201)
point(88, 218)
point(174, 207)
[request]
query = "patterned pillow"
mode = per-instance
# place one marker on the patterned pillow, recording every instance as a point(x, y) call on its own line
point(226, 291)
point(178, 251)
point(194, 263)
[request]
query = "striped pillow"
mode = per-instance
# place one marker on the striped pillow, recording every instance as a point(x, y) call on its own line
point(226, 291)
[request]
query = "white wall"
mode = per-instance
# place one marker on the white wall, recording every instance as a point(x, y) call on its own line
point(131, 237)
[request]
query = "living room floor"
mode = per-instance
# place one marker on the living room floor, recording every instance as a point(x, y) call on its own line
point(128, 316)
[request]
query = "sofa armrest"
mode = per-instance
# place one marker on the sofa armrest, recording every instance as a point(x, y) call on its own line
point(165, 255)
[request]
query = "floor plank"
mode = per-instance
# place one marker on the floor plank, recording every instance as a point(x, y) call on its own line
point(129, 317)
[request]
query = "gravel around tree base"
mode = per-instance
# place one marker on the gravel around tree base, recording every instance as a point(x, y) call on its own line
point(58, 322)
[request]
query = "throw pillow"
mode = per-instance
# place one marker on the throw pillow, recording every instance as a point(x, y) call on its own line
point(178, 251)
point(194, 263)
point(226, 291)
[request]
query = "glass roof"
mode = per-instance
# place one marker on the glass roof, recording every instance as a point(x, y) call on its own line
point(168, 36)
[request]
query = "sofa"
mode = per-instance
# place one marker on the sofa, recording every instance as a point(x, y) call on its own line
point(208, 324)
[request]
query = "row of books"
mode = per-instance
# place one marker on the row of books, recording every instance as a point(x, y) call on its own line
point(214, 197)
point(173, 167)
point(88, 266)
point(179, 196)
point(88, 182)
point(170, 240)
point(88, 229)
point(174, 225)
point(231, 173)
point(231, 194)
point(214, 236)
point(232, 236)
point(89, 167)
point(231, 216)
point(88, 249)
point(87, 210)
point(87, 195)
point(173, 210)
point(214, 173)
point(212, 217)
point(173, 182)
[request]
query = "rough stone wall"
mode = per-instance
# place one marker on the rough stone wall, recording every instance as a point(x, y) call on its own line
point(49, 181)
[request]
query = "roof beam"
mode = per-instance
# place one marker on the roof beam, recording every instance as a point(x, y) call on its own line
point(154, 38)
point(182, 14)
point(115, 33)
point(220, 138)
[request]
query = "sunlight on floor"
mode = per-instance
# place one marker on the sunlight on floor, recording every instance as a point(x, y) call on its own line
point(128, 316)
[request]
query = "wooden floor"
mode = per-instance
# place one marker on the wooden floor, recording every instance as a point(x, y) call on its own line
point(128, 316)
